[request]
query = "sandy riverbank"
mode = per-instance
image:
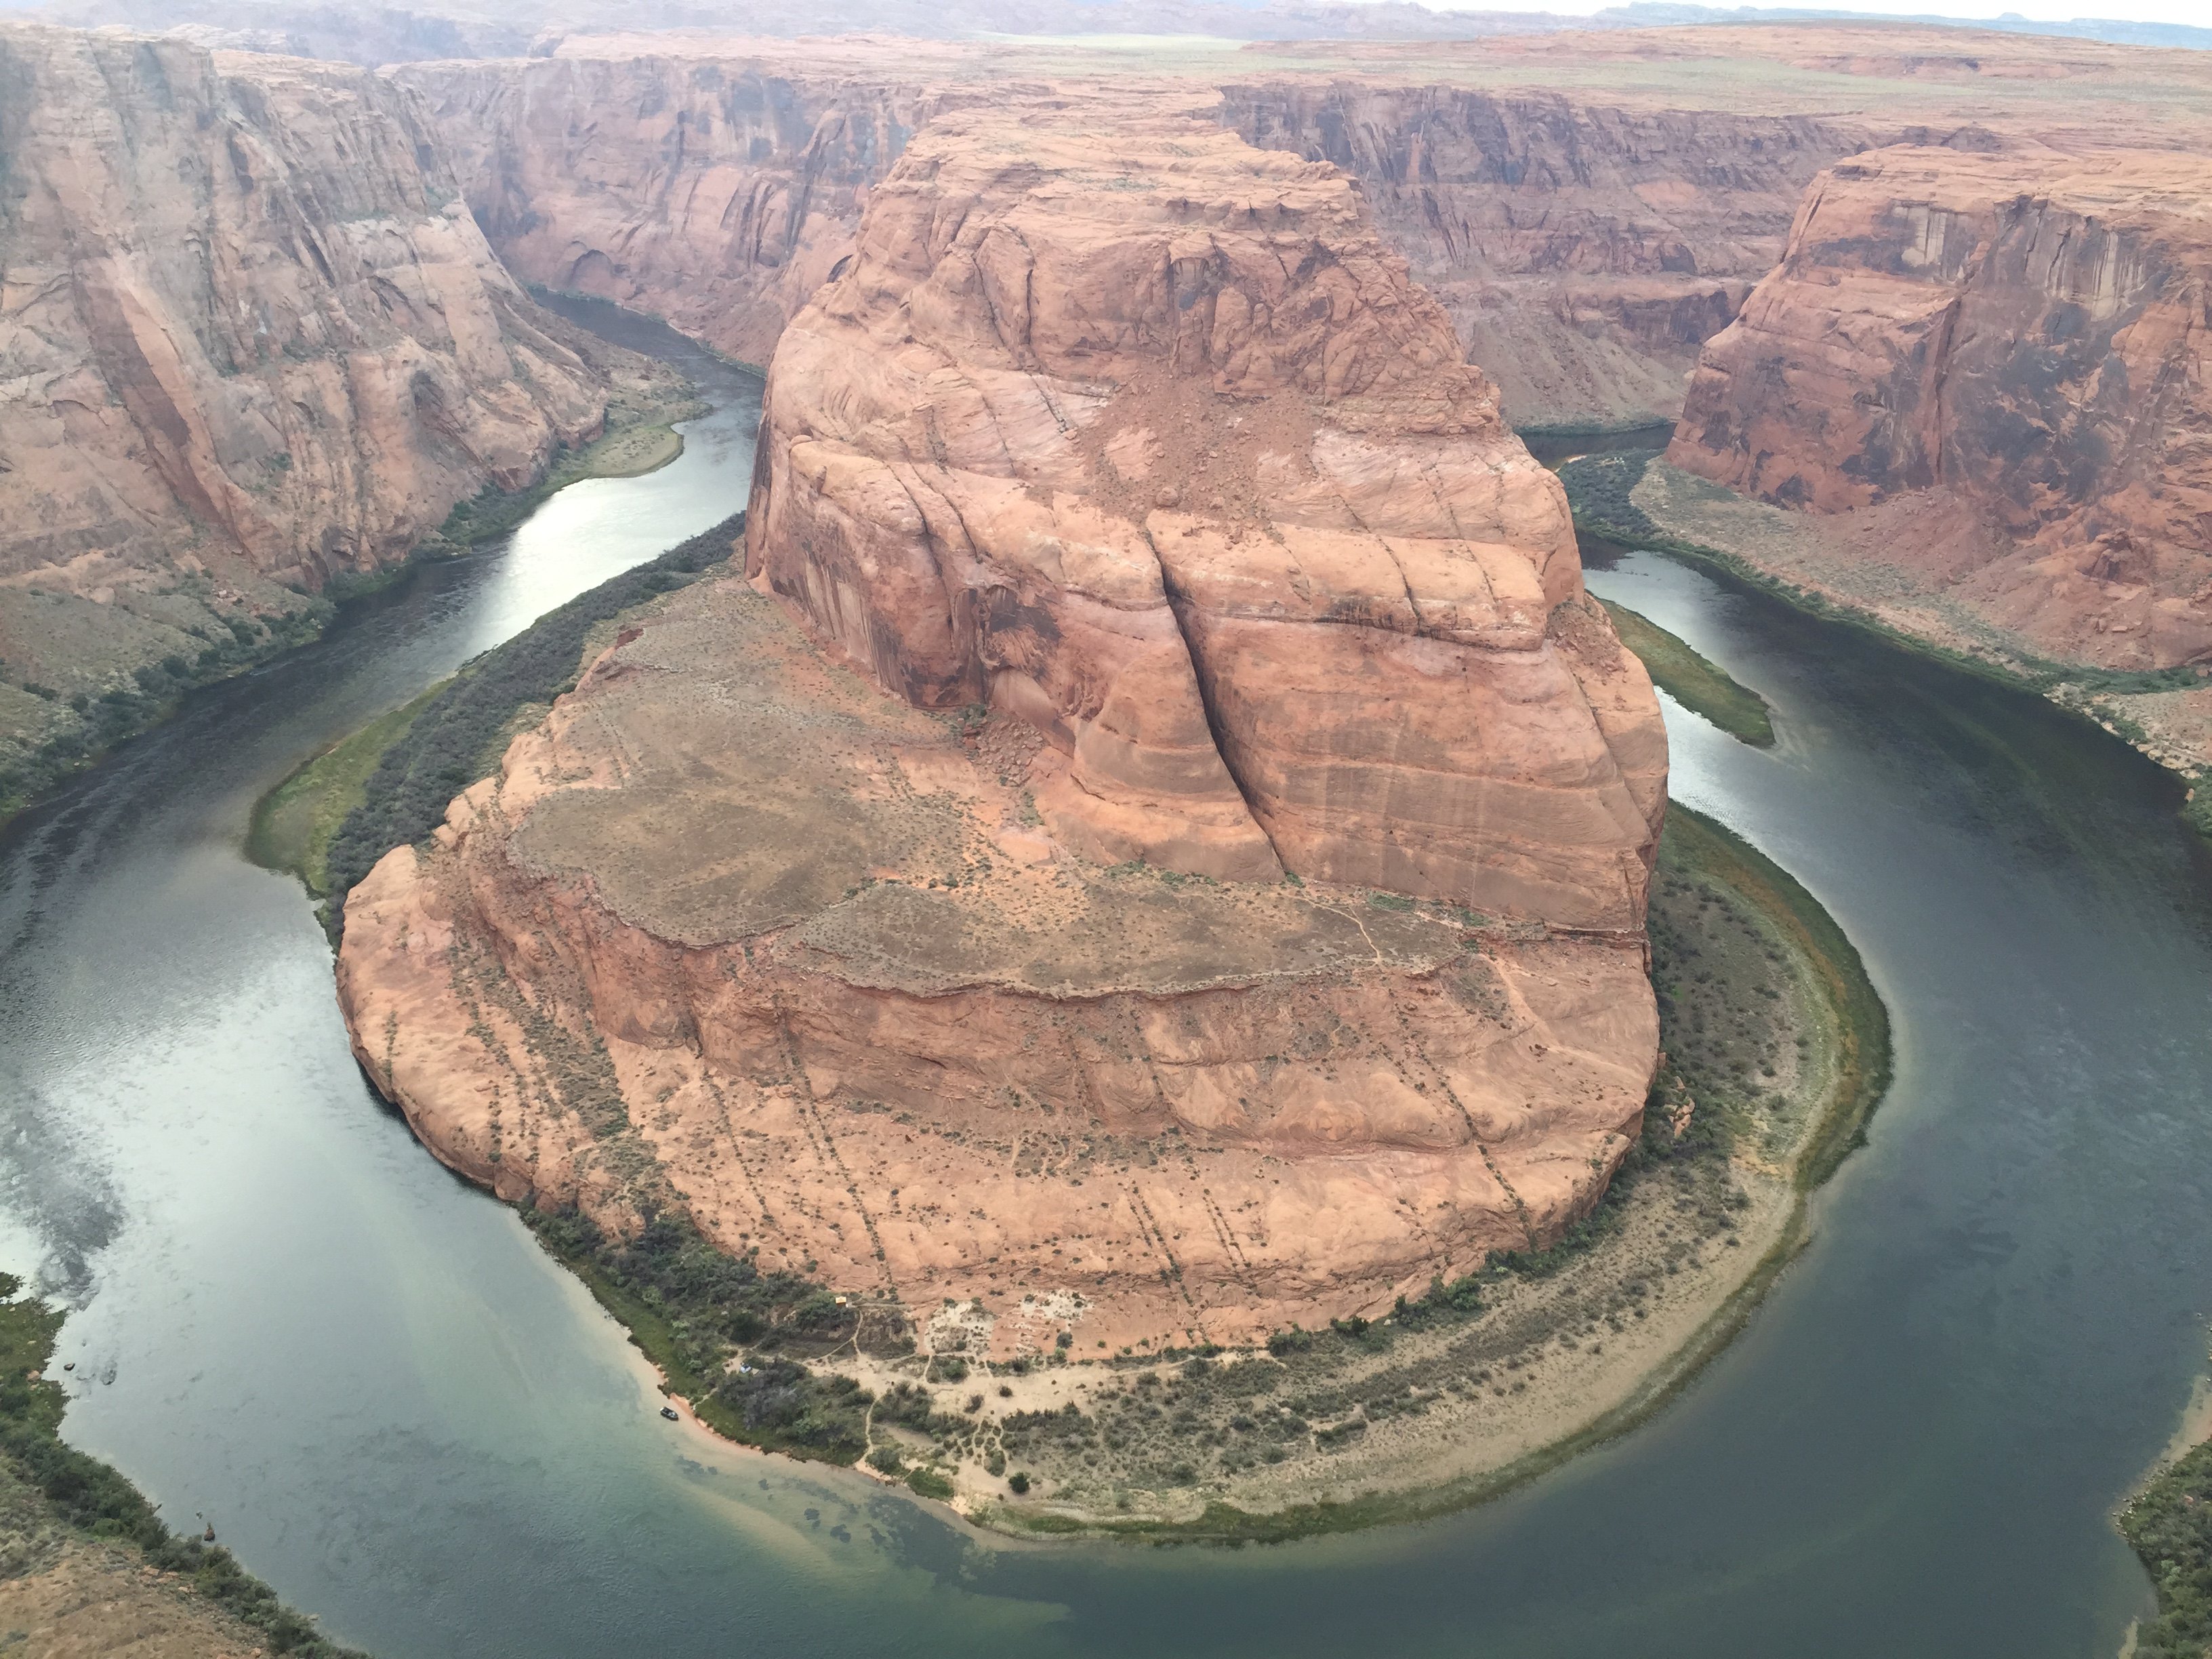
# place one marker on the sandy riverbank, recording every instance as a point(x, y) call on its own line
point(1439, 1406)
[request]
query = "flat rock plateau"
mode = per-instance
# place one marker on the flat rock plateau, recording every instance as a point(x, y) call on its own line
point(1164, 836)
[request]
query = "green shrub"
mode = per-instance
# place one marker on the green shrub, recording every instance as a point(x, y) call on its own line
point(94, 1500)
point(928, 1483)
point(1599, 488)
point(2197, 814)
point(2170, 1527)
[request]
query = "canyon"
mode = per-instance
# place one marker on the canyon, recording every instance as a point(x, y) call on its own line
point(1591, 208)
point(1154, 847)
point(713, 192)
point(717, 183)
point(250, 340)
point(1182, 874)
point(1989, 371)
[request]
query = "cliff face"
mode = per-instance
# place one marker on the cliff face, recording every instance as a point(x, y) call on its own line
point(1585, 251)
point(245, 316)
point(1126, 449)
point(1141, 433)
point(714, 193)
point(2022, 339)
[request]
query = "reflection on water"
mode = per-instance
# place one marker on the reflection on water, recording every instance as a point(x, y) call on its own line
point(289, 1317)
point(1554, 449)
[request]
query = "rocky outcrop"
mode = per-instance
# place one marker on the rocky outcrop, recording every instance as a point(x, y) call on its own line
point(247, 317)
point(1166, 854)
point(1141, 434)
point(1587, 241)
point(1585, 249)
point(714, 193)
point(2021, 340)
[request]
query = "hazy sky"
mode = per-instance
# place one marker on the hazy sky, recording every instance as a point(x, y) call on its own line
point(2142, 11)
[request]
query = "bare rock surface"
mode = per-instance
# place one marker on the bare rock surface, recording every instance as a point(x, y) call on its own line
point(1139, 433)
point(1997, 363)
point(1586, 249)
point(1589, 206)
point(1133, 535)
point(713, 191)
point(735, 930)
point(245, 316)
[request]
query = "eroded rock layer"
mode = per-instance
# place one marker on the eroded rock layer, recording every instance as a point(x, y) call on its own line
point(1133, 535)
point(2023, 340)
point(1138, 433)
point(735, 931)
point(245, 315)
point(1586, 250)
point(713, 192)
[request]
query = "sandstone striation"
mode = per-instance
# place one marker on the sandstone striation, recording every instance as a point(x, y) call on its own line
point(714, 193)
point(250, 338)
point(246, 315)
point(1585, 249)
point(1994, 366)
point(1142, 435)
point(1165, 853)
point(1590, 207)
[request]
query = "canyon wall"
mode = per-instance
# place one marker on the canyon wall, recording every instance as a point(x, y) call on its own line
point(1159, 849)
point(1997, 362)
point(713, 192)
point(1586, 250)
point(247, 315)
point(250, 338)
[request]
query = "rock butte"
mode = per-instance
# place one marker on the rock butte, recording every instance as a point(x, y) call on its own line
point(1132, 534)
point(2021, 339)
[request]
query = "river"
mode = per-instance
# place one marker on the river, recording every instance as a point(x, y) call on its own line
point(286, 1316)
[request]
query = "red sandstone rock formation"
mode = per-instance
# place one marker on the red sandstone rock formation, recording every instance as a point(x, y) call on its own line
point(1585, 249)
point(713, 192)
point(1590, 211)
point(1127, 448)
point(1141, 433)
point(2023, 337)
point(246, 313)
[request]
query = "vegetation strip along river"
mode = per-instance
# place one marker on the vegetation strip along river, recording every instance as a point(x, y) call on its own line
point(404, 1417)
point(834, 1377)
